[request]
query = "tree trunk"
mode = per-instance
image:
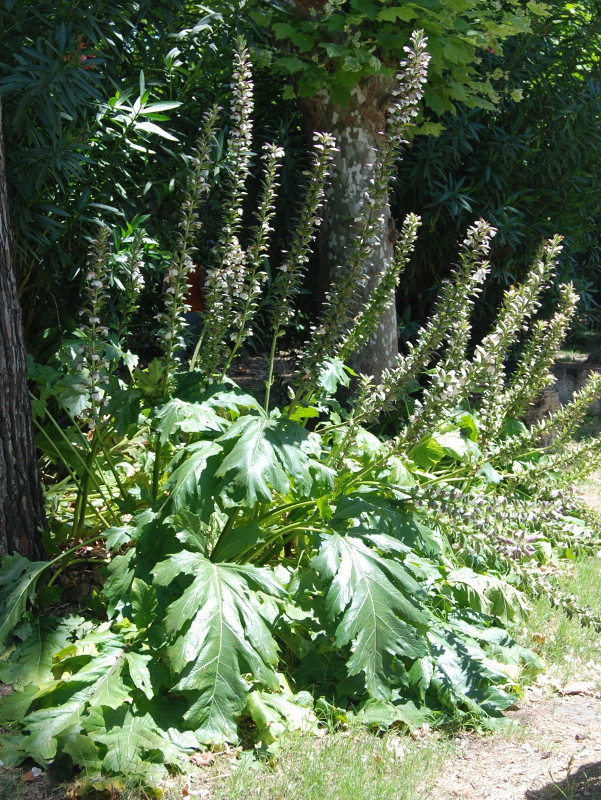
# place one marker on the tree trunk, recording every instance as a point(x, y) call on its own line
point(21, 500)
point(358, 131)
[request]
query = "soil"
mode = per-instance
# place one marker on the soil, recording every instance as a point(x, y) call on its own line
point(554, 753)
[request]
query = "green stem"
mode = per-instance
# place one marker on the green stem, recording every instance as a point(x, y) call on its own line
point(73, 476)
point(264, 559)
point(111, 463)
point(279, 512)
point(82, 500)
point(75, 561)
point(295, 400)
point(278, 539)
point(339, 450)
point(196, 351)
point(76, 453)
point(269, 381)
point(70, 550)
point(226, 529)
point(156, 467)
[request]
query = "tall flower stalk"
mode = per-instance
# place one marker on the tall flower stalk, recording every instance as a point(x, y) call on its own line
point(366, 321)
point(339, 305)
point(172, 321)
point(254, 281)
point(519, 306)
point(287, 281)
point(93, 366)
point(533, 372)
point(225, 281)
point(449, 324)
point(133, 281)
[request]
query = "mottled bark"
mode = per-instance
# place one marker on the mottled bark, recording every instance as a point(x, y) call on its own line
point(358, 131)
point(21, 500)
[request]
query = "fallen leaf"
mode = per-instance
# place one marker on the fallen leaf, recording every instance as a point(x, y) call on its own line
point(31, 775)
point(203, 759)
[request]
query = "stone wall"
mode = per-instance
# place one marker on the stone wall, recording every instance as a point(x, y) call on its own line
point(570, 376)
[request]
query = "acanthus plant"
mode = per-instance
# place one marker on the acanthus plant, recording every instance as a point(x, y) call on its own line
point(254, 556)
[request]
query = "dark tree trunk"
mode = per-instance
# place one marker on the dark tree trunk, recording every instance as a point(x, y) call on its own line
point(358, 131)
point(21, 500)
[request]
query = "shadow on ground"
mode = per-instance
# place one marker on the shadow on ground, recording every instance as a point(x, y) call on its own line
point(584, 784)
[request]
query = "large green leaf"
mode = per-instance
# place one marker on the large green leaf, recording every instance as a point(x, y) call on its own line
point(460, 448)
point(427, 452)
point(375, 511)
point(134, 744)
point(97, 683)
point(177, 415)
point(464, 674)
point(264, 455)
point(18, 579)
point(226, 396)
point(487, 593)
point(383, 714)
point(139, 672)
point(191, 484)
point(374, 601)
point(239, 540)
point(32, 659)
point(333, 373)
point(219, 637)
point(121, 573)
point(276, 713)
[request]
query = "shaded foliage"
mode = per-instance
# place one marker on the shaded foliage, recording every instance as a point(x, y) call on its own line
point(529, 165)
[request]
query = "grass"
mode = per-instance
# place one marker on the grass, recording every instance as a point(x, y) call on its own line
point(570, 650)
point(355, 764)
point(8, 789)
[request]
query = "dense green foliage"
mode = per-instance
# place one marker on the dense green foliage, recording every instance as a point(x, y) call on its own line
point(335, 44)
point(87, 138)
point(529, 165)
point(272, 563)
point(95, 96)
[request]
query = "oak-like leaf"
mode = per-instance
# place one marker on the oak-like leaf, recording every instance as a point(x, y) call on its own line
point(18, 579)
point(263, 456)
point(191, 483)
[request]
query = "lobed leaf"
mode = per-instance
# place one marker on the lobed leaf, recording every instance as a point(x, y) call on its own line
point(219, 637)
point(97, 683)
point(18, 579)
point(191, 484)
point(178, 415)
point(374, 601)
point(264, 456)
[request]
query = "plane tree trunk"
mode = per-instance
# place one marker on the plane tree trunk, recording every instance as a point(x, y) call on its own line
point(358, 129)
